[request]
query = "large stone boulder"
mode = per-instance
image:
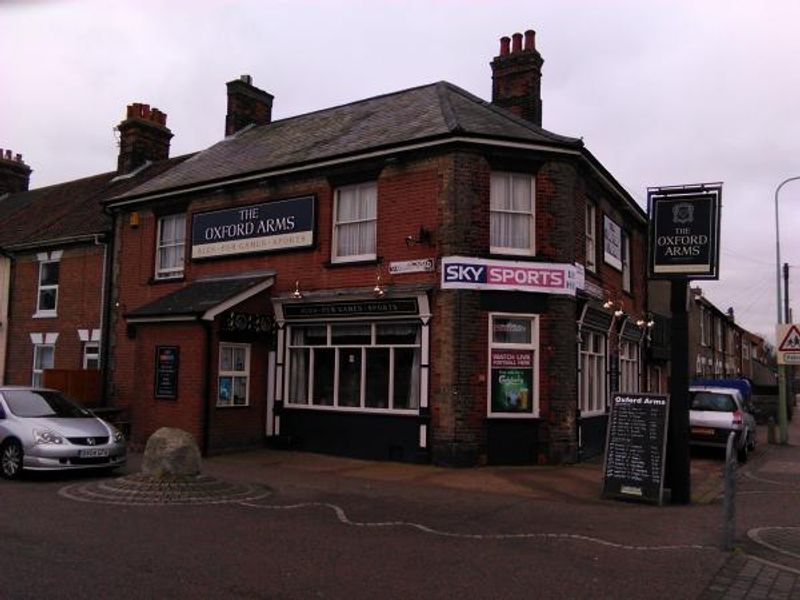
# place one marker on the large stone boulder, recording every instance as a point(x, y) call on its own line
point(171, 453)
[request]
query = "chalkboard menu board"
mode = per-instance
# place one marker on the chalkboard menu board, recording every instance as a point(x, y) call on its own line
point(635, 447)
point(167, 372)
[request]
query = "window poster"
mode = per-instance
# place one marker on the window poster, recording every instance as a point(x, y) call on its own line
point(612, 243)
point(512, 381)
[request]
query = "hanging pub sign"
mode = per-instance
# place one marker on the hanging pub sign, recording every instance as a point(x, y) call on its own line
point(277, 225)
point(167, 372)
point(683, 239)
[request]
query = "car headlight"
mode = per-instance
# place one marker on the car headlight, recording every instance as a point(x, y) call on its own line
point(117, 435)
point(45, 436)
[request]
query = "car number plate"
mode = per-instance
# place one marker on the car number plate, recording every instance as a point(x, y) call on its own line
point(703, 430)
point(93, 452)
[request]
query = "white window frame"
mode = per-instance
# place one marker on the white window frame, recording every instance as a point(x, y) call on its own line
point(591, 236)
point(174, 272)
point(46, 312)
point(629, 355)
point(533, 346)
point(234, 375)
point(358, 188)
point(338, 348)
point(497, 249)
point(626, 261)
point(37, 374)
point(91, 350)
point(589, 359)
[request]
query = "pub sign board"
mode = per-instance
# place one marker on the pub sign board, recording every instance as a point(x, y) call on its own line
point(636, 443)
point(684, 232)
point(266, 227)
point(167, 359)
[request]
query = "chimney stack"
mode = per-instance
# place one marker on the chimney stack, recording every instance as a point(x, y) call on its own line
point(143, 137)
point(246, 105)
point(517, 77)
point(15, 175)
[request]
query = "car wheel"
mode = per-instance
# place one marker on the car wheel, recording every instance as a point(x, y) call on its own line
point(11, 459)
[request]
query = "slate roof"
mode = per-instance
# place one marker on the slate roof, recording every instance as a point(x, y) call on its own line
point(66, 210)
point(426, 113)
point(198, 297)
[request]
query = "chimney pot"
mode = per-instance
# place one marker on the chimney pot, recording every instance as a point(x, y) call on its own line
point(19, 158)
point(505, 43)
point(516, 44)
point(530, 40)
point(247, 79)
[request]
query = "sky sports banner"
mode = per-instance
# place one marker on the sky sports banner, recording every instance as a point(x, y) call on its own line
point(461, 272)
point(280, 225)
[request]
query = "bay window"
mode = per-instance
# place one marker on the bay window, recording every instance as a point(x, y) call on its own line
point(372, 366)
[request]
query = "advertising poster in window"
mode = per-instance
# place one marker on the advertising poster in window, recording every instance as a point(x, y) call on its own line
point(612, 243)
point(512, 381)
point(167, 372)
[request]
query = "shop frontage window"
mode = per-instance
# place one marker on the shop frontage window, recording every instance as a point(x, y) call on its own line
point(592, 385)
point(513, 365)
point(358, 366)
point(628, 366)
point(234, 375)
point(355, 219)
point(170, 246)
point(512, 213)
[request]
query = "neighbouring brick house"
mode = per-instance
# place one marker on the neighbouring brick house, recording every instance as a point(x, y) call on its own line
point(55, 257)
point(420, 276)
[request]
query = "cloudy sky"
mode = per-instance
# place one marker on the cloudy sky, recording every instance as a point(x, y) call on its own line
point(662, 93)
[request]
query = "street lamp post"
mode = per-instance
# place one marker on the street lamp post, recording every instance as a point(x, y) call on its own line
point(782, 399)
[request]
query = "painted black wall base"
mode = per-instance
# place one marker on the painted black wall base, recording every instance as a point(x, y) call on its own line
point(512, 441)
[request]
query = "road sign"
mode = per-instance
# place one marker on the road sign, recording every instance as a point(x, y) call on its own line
point(788, 337)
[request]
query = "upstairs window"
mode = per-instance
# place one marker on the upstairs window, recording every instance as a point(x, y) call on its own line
point(48, 288)
point(170, 246)
point(591, 237)
point(626, 262)
point(512, 205)
point(355, 215)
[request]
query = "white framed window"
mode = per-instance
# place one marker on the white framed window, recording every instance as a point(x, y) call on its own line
point(591, 236)
point(47, 294)
point(628, 366)
point(626, 261)
point(513, 388)
point(43, 358)
point(512, 205)
point(91, 355)
point(592, 381)
point(355, 217)
point(170, 243)
point(363, 366)
point(718, 333)
point(705, 327)
point(233, 377)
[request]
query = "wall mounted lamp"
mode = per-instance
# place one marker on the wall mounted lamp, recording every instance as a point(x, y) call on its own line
point(379, 290)
point(297, 294)
point(423, 237)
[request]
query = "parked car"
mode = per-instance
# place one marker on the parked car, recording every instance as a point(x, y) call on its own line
point(42, 430)
point(715, 412)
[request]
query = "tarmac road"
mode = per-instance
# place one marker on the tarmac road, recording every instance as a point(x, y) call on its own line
point(338, 528)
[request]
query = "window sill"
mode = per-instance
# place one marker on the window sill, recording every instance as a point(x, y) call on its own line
point(233, 405)
point(332, 264)
point(511, 416)
point(389, 412)
point(158, 280)
point(45, 315)
point(510, 253)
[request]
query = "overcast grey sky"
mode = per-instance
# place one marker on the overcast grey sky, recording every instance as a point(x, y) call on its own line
point(663, 93)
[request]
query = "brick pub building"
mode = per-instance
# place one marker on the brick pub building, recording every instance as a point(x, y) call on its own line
point(418, 276)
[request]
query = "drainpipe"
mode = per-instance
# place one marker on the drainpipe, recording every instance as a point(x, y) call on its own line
point(105, 293)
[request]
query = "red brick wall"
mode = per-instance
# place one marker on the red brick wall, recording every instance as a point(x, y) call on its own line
point(79, 297)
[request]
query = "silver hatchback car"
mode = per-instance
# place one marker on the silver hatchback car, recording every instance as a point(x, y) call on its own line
point(42, 430)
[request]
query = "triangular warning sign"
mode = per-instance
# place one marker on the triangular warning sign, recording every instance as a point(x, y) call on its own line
point(791, 341)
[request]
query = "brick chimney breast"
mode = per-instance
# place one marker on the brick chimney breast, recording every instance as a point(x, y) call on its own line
point(517, 77)
point(143, 136)
point(15, 175)
point(246, 105)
